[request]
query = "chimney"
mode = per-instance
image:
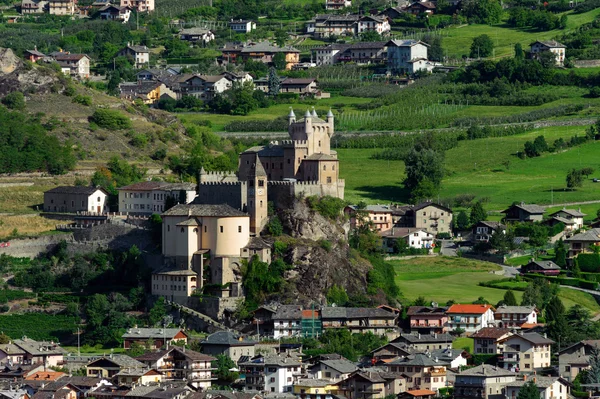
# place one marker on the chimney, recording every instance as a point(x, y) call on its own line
point(524, 377)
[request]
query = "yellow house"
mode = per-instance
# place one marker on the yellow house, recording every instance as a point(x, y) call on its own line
point(314, 386)
point(137, 376)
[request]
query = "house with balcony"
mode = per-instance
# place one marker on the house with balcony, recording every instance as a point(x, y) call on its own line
point(525, 352)
point(328, 25)
point(337, 4)
point(365, 384)
point(27, 351)
point(483, 382)
point(549, 46)
point(427, 319)
point(391, 350)
point(111, 365)
point(379, 215)
point(287, 321)
point(140, 55)
point(470, 318)
point(583, 242)
point(516, 316)
point(545, 267)
point(359, 320)
point(155, 337)
point(228, 344)
point(260, 52)
point(429, 216)
point(524, 213)
point(483, 231)
point(575, 358)
point(549, 387)
point(373, 23)
point(181, 364)
point(402, 55)
point(422, 371)
point(487, 340)
point(262, 318)
point(130, 377)
point(413, 237)
point(425, 342)
point(312, 386)
point(332, 370)
point(115, 13)
point(571, 218)
point(272, 373)
point(242, 25)
point(75, 65)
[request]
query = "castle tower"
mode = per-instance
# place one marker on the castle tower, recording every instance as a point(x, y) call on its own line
point(330, 119)
point(257, 196)
point(291, 116)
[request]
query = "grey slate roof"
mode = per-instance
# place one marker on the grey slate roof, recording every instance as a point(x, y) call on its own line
point(591, 235)
point(344, 366)
point(550, 43)
point(39, 347)
point(266, 47)
point(424, 338)
point(406, 43)
point(288, 312)
point(312, 382)
point(425, 310)
point(540, 381)
point(572, 212)
point(545, 264)
point(122, 361)
point(203, 210)
point(146, 333)
point(355, 313)
point(563, 220)
point(85, 190)
point(271, 150)
point(419, 359)
point(529, 208)
point(515, 309)
point(486, 370)
point(226, 338)
point(533, 337)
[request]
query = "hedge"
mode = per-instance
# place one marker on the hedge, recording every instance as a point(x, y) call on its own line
point(572, 282)
point(588, 262)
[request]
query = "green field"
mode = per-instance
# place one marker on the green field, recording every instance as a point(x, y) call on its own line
point(441, 279)
point(39, 326)
point(462, 343)
point(486, 168)
point(459, 39)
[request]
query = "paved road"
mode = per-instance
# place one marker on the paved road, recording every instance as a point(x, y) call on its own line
point(448, 248)
point(510, 271)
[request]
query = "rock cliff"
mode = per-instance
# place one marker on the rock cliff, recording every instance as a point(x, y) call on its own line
point(320, 256)
point(15, 75)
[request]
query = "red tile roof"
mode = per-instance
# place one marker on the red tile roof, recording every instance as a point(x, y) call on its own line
point(469, 309)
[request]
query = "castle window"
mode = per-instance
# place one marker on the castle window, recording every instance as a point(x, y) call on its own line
point(261, 183)
point(272, 165)
point(261, 204)
point(221, 228)
point(329, 179)
point(289, 161)
point(319, 143)
point(239, 229)
point(324, 167)
point(298, 160)
point(205, 229)
point(168, 228)
point(332, 167)
point(182, 230)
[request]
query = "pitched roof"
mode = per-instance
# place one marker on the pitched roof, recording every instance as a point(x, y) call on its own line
point(374, 208)
point(529, 208)
point(469, 309)
point(355, 313)
point(226, 338)
point(270, 150)
point(491, 333)
point(572, 212)
point(204, 210)
point(34, 347)
point(419, 359)
point(194, 31)
point(424, 338)
point(550, 43)
point(120, 360)
point(492, 224)
point(68, 57)
point(591, 235)
point(158, 185)
point(533, 337)
point(75, 190)
point(425, 310)
point(342, 365)
point(563, 220)
point(288, 312)
point(406, 43)
point(429, 203)
point(515, 309)
point(486, 370)
point(147, 333)
point(544, 264)
point(540, 381)
point(266, 47)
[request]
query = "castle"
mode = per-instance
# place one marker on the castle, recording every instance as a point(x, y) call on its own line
point(207, 240)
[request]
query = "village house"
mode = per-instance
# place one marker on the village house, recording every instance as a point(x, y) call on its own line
point(272, 373)
point(111, 365)
point(470, 318)
point(371, 385)
point(545, 267)
point(487, 340)
point(332, 370)
point(549, 387)
point(149, 92)
point(429, 216)
point(373, 23)
point(287, 321)
point(392, 13)
point(131, 377)
point(360, 53)
point(403, 54)
point(379, 215)
point(181, 364)
point(524, 213)
point(425, 342)
point(74, 199)
point(337, 4)
point(583, 242)
point(427, 319)
point(155, 391)
point(27, 351)
point(391, 351)
point(238, 77)
point(422, 7)
point(302, 86)
point(10, 370)
point(242, 25)
point(33, 6)
point(75, 65)
point(175, 285)
point(226, 343)
point(483, 382)
point(115, 13)
point(328, 25)
point(572, 219)
point(56, 390)
point(202, 87)
point(525, 352)
point(422, 371)
point(33, 55)
point(551, 46)
point(61, 7)
point(515, 316)
point(14, 393)
point(262, 318)
point(264, 52)
point(139, 54)
point(161, 75)
point(44, 377)
point(413, 237)
point(312, 386)
point(358, 320)
point(453, 358)
point(86, 385)
point(197, 35)
point(575, 358)
point(139, 5)
point(483, 231)
point(154, 337)
point(152, 196)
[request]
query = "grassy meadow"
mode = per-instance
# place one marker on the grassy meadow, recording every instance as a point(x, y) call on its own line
point(457, 279)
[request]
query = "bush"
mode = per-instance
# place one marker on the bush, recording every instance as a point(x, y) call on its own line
point(140, 140)
point(326, 245)
point(110, 119)
point(69, 91)
point(83, 100)
point(14, 100)
point(328, 207)
point(274, 227)
point(589, 262)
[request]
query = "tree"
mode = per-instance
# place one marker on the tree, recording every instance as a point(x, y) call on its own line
point(420, 301)
point(482, 11)
point(593, 376)
point(337, 295)
point(14, 100)
point(574, 179)
point(519, 53)
point(423, 164)
point(477, 213)
point(279, 61)
point(482, 46)
point(435, 50)
point(554, 310)
point(4, 339)
point(547, 59)
point(370, 36)
point(509, 298)
point(158, 312)
point(462, 221)
point(529, 391)
point(281, 36)
point(274, 82)
point(224, 364)
point(560, 253)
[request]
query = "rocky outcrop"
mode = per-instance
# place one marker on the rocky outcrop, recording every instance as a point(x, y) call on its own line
point(320, 256)
point(8, 61)
point(17, 76)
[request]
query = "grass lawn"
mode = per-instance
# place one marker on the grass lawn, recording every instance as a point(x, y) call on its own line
point(518, 261)
point(93, 350)
point(463, 342)
point(459, 39)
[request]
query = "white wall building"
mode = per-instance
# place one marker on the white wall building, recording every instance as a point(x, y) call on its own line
point(75, 199)
point(549, 387)
point(470, 318)
point(151, 197)
point(552, 46)
point(407, 56)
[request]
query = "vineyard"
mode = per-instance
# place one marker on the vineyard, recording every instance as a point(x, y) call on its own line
point(39, 326)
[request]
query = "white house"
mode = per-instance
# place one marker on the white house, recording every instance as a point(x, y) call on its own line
point(242, 25)
point(139, 54)
point(115, 13)
point(483, 231)
point(470, 318)
point(526, 352)
point(414, 238)
point(515, 316)
point(573, 219)
point(151, 196)
point(274, 373)
point(287, 321)
point(77, 65)
point(197, 35)
point(549, 387)
point(552, 46)
point(407, 56)
point(371, 23)
point(75, 199)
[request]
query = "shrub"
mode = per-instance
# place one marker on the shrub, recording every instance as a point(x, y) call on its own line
point(159, 154)
point(326, 245)
point(69, 91)
point(589, 262)
point(83, 100)
point(139, 140)
point(274, 227)
point(329, 207)
point(14, 100)
point(110, 119)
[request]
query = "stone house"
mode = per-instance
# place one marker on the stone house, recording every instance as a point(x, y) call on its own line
point(76, 65)
point(175, 285)
point(524, 213)
point(391, 351)
point(371, 385)
point(226, 343)
point(422, 371)
point(379, 215)
point(428, 216)
point(148, 91)
point(181, 364)
point(332, 370)
point(526, 352)
point(139, 54)
point(262, 318)
point(575, 358)
point(549, 387)
point(242, 25)
point(515, 316)
point(401, 53)
point(488, 340)
point(155, 337)
point(73, 199)
point(427, 319)
point(358, 320)
point(470, 318)
point(551, 46)
point(483, 231)
point(34, 55)
point(483, 382)
point(111, 365)
point(151, 196)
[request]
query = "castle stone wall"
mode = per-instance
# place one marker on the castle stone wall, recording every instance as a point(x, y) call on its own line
point(233, 194)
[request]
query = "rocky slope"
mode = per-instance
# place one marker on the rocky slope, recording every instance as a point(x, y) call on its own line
point(317, 268)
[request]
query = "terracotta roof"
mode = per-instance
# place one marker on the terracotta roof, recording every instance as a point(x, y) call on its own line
point(420, 392)
point(469, 309)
